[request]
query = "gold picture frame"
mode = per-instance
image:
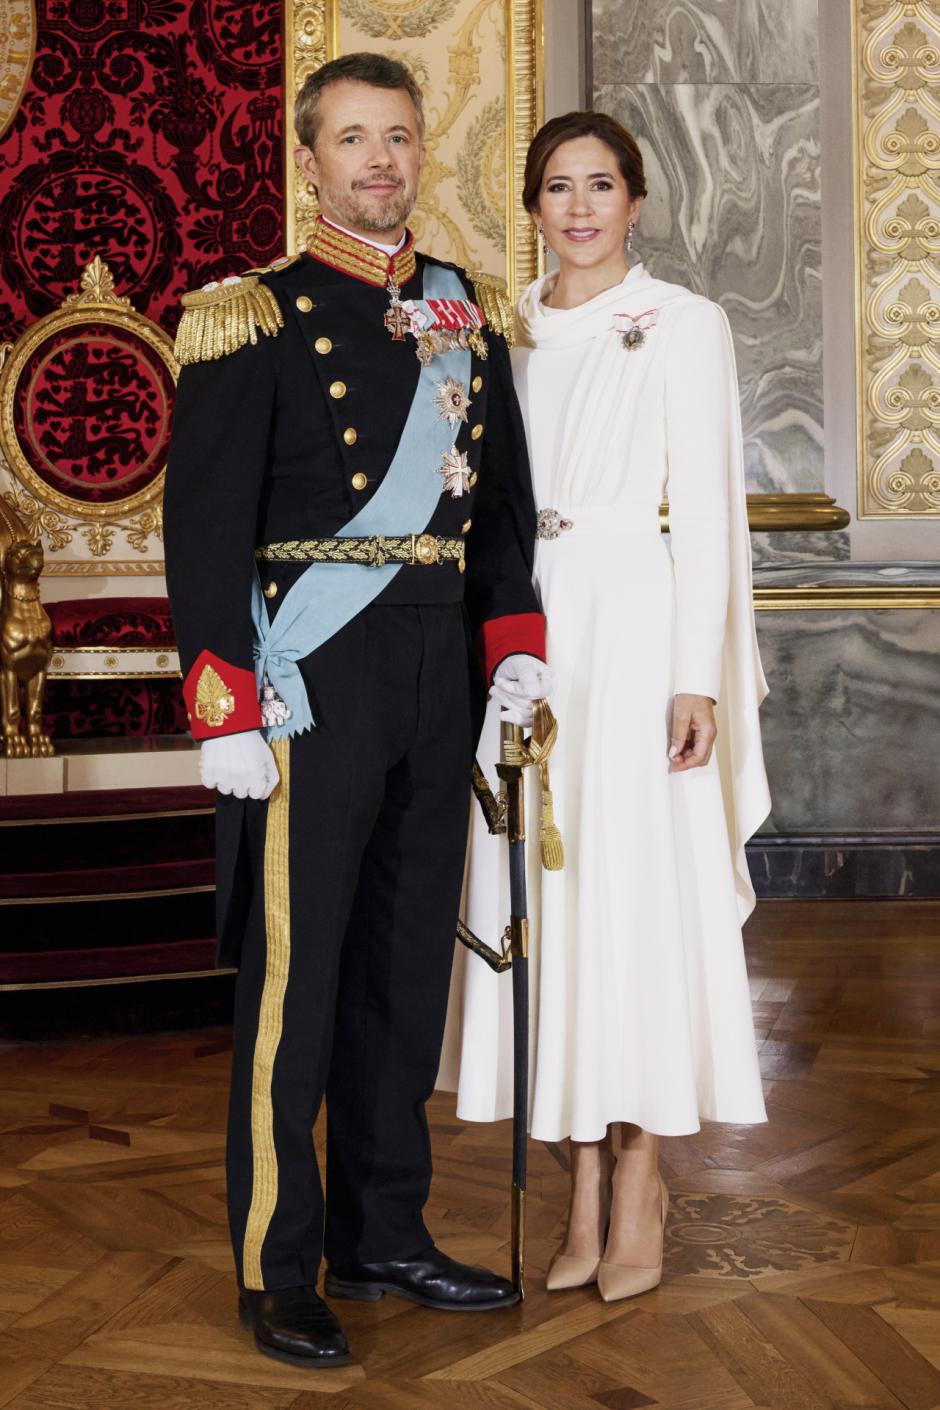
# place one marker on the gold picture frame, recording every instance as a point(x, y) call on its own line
point(51, 513)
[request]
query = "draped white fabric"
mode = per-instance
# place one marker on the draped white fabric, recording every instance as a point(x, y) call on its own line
point(640, 1000)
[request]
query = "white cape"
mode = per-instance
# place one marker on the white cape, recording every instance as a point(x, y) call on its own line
point(640, 1001)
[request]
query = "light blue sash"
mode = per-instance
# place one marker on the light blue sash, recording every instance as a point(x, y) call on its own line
point(328, 595)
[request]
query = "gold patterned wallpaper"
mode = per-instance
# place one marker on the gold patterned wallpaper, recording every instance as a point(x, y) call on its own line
point(479, 63)
point(897, 172)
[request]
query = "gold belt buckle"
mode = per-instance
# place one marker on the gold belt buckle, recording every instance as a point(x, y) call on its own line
point(425, 549)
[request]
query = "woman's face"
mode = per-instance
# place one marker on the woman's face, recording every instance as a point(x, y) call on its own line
point(584, 204)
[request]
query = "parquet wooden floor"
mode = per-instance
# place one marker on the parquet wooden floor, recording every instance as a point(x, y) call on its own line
point(802, 1258)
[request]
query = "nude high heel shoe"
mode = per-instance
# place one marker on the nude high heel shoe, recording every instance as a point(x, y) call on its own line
point(566, 1270)
point(617, 1280)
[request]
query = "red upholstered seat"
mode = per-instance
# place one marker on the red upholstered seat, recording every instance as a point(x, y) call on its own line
point(112, 621)
point(114, 670)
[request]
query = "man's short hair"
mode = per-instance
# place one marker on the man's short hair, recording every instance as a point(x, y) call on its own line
point(364, 67)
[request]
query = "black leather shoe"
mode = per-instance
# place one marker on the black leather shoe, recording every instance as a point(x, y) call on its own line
point(294, 1325)
point(429, 1278)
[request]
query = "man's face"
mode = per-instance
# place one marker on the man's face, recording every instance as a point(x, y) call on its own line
point(367, 159)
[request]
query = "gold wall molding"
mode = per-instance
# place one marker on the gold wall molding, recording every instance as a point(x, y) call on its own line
point(481, 116)
point(17, 50)
point(785, 513)
point(837, 599)
point(896, 74)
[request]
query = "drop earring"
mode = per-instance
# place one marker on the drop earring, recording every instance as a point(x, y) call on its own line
point(544, 241)
point(630, 230)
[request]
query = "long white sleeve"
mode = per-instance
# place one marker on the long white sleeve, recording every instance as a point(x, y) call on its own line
point(700, 452)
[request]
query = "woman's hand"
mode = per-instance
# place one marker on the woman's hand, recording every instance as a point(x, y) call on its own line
point(693, 731)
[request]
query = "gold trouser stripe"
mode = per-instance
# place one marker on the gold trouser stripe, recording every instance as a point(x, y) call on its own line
point(270, 1018)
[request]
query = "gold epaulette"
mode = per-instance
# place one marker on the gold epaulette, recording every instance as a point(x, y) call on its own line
point(274, 267)
point(493, 297)
point(222, 320)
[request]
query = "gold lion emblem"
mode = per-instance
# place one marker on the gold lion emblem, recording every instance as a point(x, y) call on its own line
point(214, 700)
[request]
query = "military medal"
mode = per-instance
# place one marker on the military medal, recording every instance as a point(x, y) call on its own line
point(444, 325)
point(456, 472)
point(452, 400)
point(397, 320)
point(273, 709)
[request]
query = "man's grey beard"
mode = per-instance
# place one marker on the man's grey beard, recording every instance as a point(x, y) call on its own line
point(351, 211)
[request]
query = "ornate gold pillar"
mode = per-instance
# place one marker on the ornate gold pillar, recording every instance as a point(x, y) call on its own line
point(896, 55)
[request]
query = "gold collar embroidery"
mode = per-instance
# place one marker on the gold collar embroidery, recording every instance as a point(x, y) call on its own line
point(361, 260)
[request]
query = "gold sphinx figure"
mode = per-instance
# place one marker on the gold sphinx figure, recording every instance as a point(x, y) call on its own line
point(25, 639)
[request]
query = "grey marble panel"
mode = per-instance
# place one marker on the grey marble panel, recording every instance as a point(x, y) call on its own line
point(851, 724)
point(769, 549)
point(912, 574)
point(705, 41)
point(681, 41)
point(734, 213)
point(788, 41)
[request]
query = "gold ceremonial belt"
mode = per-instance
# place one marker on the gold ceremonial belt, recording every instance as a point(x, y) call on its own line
point(374, 552)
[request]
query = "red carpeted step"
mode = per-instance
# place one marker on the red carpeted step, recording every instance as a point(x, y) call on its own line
point(101, 805)
point(106, 884)
point(101, 965)
point(157, 876)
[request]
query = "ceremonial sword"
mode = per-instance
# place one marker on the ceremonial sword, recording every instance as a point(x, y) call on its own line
point(506, 814)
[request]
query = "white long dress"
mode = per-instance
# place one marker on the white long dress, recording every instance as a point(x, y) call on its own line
point(640, 1006)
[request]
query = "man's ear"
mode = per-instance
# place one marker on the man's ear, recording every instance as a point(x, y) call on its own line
point(307, 163)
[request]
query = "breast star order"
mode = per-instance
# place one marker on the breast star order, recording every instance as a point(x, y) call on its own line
point(452, 400)
point(456, 472)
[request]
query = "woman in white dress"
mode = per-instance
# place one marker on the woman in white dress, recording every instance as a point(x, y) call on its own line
point(641, 1015)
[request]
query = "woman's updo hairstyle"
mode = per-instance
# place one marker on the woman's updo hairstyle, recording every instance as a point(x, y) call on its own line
point(587, 124)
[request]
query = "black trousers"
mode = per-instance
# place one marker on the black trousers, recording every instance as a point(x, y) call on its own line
point(356, 866)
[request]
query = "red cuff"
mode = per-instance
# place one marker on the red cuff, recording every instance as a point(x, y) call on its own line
point(220, 698)
point(505, 636)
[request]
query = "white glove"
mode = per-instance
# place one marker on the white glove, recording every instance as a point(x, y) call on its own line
point(239, 763)
point(518, 681)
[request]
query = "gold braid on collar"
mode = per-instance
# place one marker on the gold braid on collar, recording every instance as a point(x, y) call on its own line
point(493, 297)
point(220, 320)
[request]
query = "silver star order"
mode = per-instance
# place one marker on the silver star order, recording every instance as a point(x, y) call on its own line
point(452, 400)
point(456, 472)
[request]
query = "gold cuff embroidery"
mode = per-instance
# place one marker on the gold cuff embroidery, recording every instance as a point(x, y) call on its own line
point(214, 700)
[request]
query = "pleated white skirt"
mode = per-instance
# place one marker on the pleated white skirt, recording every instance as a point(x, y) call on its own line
point(640, 1002)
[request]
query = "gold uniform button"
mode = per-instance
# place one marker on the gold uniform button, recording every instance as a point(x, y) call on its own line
point(359, 481)
point(476, 433)
point(337, 389)
point(323, 345)
point(466, 527)
point(461, 566)
point(303, 303)
point(350, 435)
point(477, 384)
point(473, 479)
point(271, 590)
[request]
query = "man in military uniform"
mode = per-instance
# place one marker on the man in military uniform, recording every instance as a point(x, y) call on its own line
point(349, 531)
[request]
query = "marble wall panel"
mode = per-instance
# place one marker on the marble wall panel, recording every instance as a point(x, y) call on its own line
point(852, 720)
point(734, 212)
point(705, 41)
